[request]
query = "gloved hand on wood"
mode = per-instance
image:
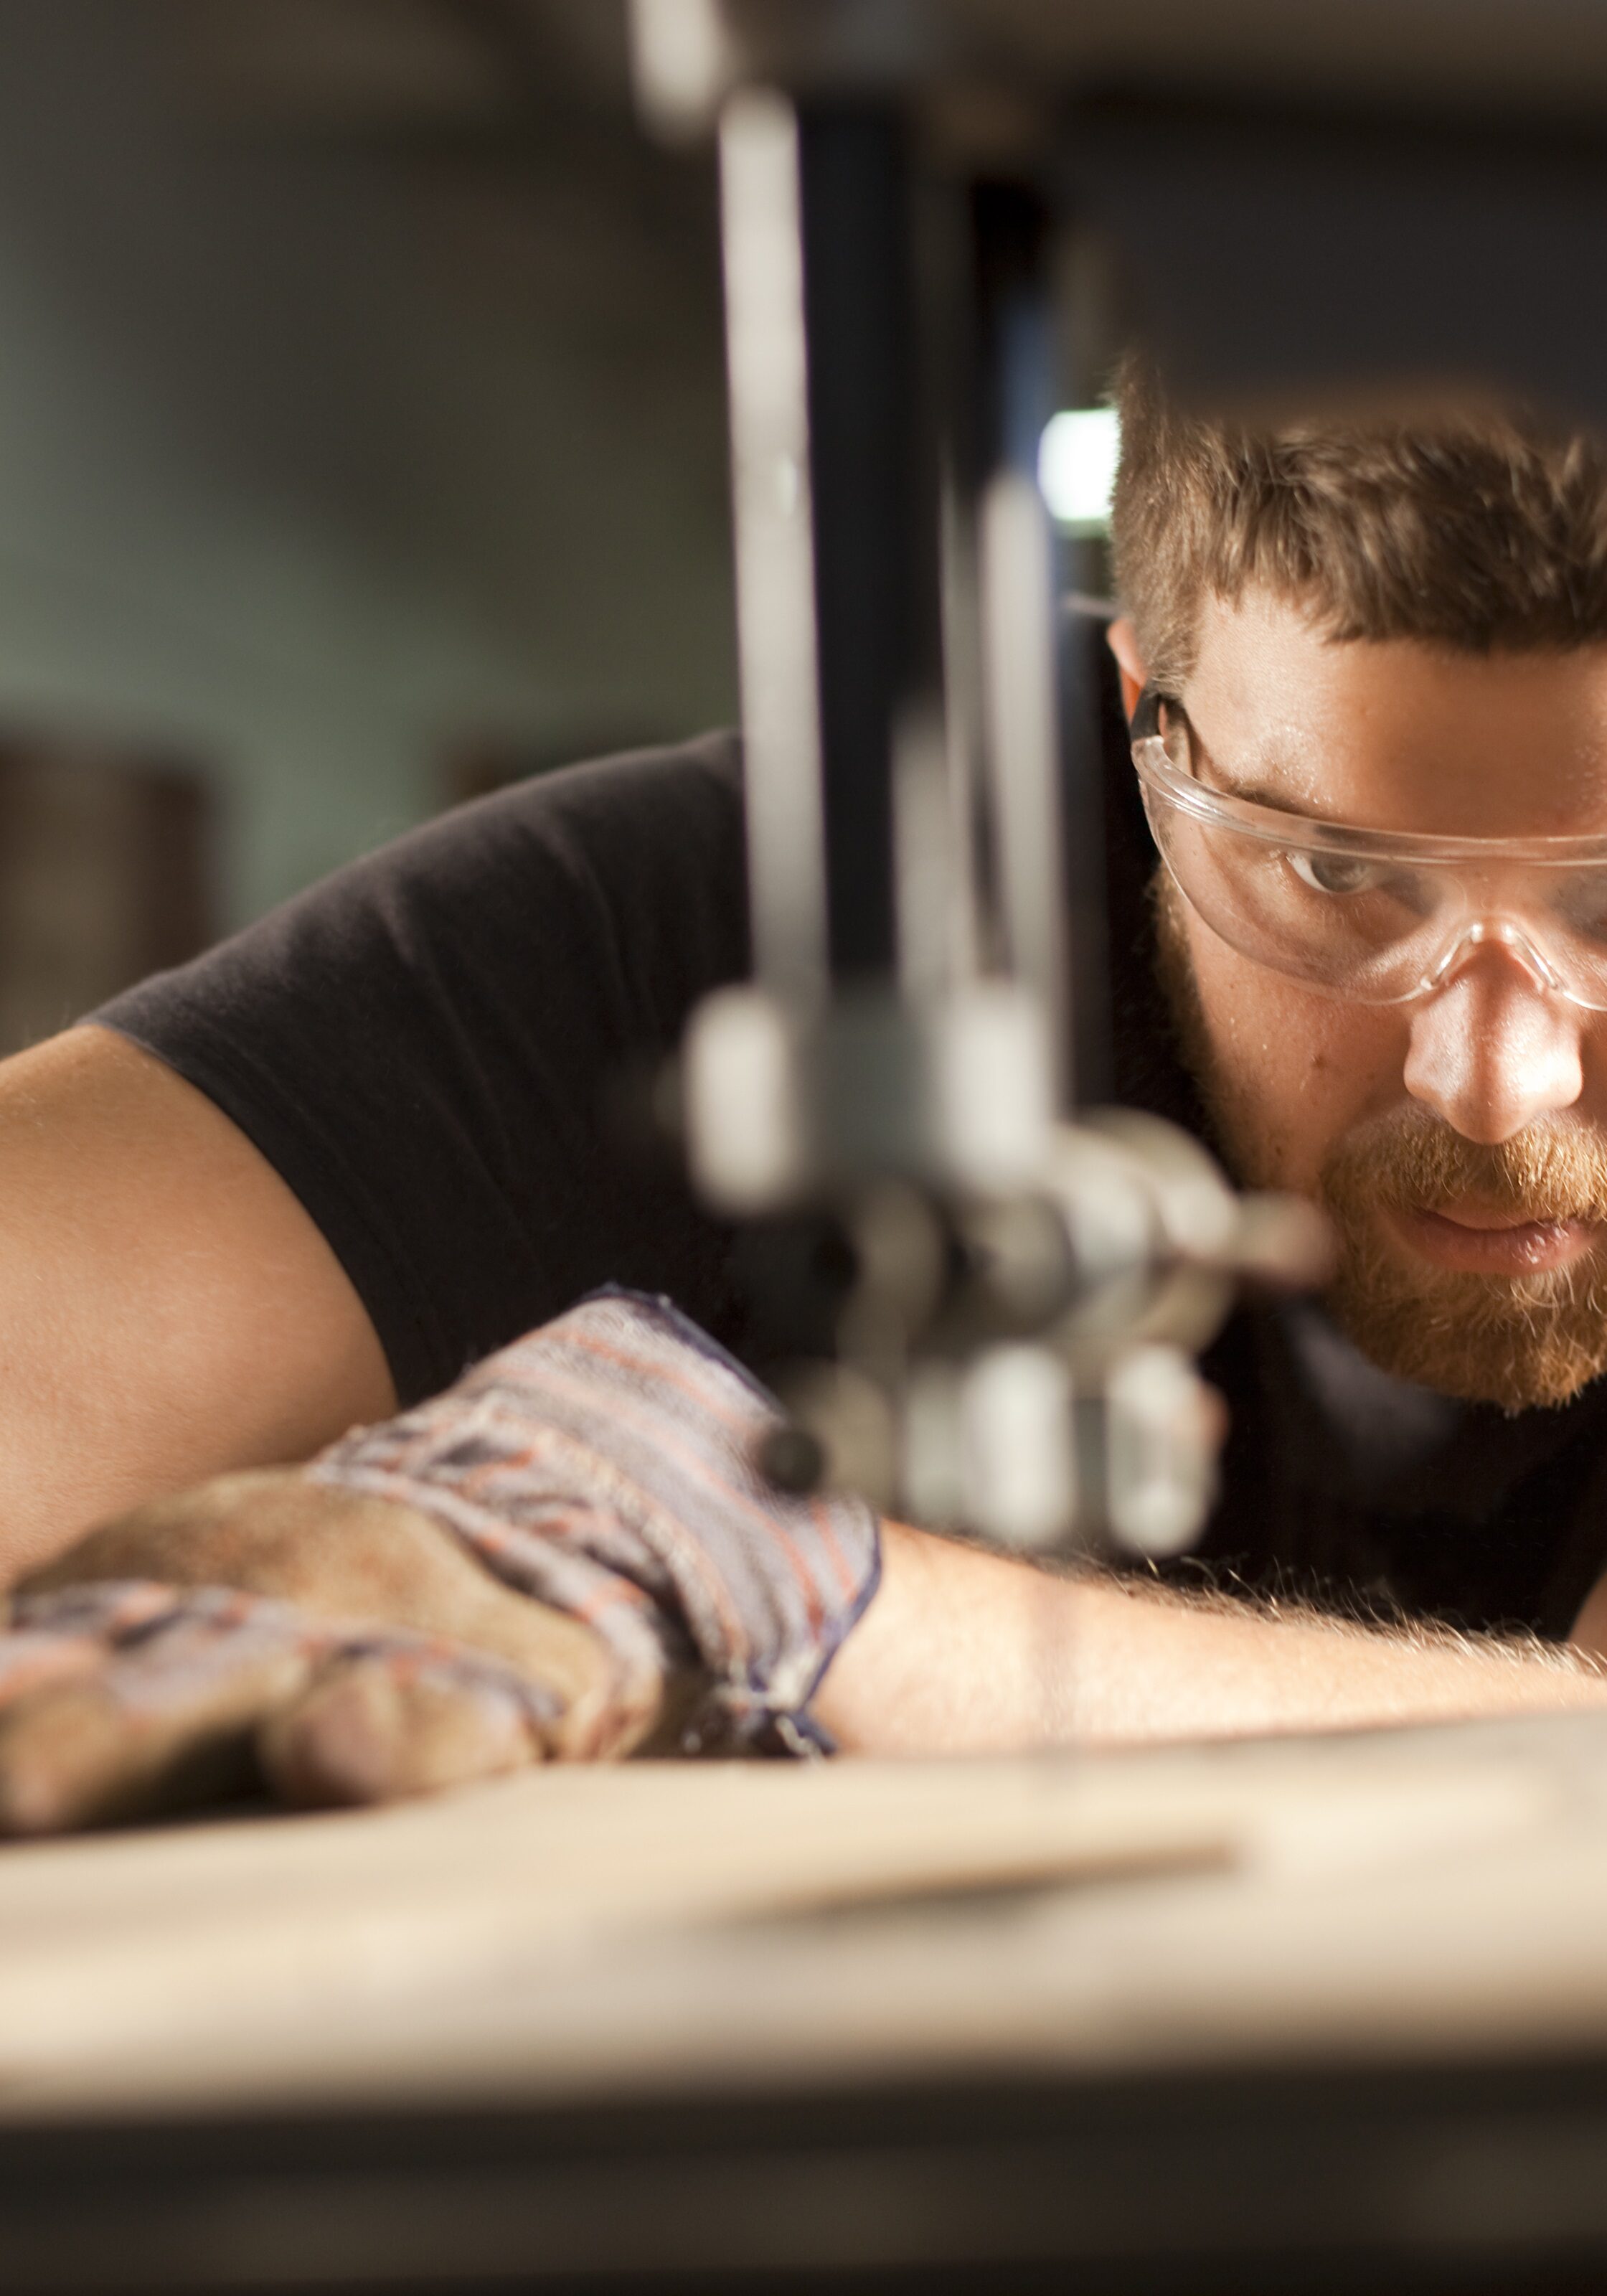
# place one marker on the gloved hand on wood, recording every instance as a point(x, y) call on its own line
point(570, 1555)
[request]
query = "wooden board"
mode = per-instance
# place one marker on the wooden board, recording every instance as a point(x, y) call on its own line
point(613, 1931)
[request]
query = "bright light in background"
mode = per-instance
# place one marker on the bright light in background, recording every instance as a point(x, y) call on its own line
point(1076, 466)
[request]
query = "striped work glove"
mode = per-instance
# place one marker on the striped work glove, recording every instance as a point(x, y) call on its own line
point(570, 1554)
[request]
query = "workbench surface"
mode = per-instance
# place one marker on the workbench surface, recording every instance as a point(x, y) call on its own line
point(1293, 1930)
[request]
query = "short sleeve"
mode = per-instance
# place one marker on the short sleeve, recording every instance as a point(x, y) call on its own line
point(430, 1049)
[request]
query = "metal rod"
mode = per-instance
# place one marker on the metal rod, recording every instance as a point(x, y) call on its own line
point(1017, 604)
point(863, 400)
point(768, 363)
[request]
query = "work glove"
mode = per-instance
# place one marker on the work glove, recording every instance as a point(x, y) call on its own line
point(572, 1555)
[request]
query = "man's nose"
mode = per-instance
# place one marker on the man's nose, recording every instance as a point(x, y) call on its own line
point(1490, 1051)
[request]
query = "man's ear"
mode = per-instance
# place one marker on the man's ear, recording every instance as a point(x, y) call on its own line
point(1122, 639)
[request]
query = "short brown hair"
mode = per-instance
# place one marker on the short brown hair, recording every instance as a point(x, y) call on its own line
point(1477, 528)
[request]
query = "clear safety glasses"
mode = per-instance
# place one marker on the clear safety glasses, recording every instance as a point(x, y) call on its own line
point(1374, 914)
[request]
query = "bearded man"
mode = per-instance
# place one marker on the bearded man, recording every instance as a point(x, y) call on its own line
point(1354, 715)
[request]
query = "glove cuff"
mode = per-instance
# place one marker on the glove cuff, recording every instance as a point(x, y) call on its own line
point(607, 1465)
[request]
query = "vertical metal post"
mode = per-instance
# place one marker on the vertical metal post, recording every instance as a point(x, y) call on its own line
point(768, 379)
point(1016, 598)
point(863, 436)
point(836, 527)
point(971, 948)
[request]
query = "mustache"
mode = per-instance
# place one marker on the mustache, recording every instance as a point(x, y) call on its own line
point(1554, 1170)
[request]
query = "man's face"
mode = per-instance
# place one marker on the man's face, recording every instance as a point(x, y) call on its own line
point(1459, 1139)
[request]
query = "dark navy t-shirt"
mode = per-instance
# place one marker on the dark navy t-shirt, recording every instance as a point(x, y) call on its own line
point(438, 1049)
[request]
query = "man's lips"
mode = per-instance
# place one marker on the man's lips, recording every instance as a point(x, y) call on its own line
point(1478, 1241)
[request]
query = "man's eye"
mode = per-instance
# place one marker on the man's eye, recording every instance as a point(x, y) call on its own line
point(1334, 873)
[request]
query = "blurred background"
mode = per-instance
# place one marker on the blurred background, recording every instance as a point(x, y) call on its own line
point(362, 446)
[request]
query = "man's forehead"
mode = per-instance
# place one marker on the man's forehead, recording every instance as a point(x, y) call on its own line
point(1398, 734)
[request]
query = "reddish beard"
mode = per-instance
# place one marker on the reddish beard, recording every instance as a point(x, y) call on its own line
point(1517, 1340)
point(1512, 1339)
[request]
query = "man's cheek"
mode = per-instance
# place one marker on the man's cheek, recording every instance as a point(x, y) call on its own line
point(1292, 1070)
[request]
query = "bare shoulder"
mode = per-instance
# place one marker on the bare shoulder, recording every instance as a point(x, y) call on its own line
point(167, 1308)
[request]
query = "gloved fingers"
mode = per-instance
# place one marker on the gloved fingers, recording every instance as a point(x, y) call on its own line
point(377, 1727)
point(165, 1716)
point(121, 1700)
point(339, 1555)
point(60, 1637)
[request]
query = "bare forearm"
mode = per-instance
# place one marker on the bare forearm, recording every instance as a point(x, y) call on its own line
point(968, 1652)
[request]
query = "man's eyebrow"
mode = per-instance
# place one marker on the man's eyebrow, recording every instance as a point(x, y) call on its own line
point(1255, 792)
